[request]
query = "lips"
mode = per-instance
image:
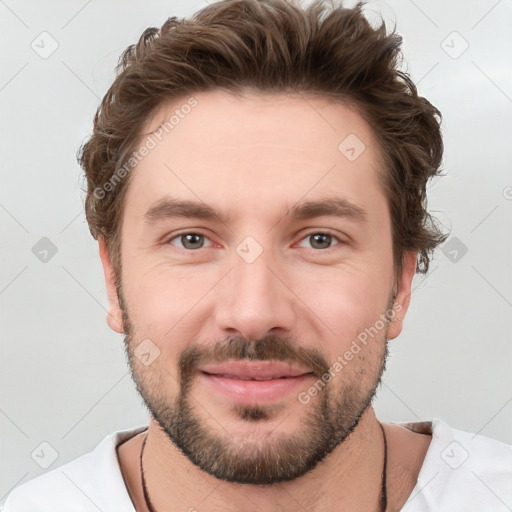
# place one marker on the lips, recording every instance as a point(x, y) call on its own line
point(255, 370)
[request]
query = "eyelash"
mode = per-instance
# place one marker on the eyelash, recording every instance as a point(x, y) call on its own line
point(307, 235)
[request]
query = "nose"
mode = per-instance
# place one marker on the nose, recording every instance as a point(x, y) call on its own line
point(255, 298)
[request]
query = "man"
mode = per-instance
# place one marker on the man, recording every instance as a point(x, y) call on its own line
point(256, 181)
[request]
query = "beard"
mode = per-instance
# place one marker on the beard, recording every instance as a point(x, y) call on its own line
point(329, 418)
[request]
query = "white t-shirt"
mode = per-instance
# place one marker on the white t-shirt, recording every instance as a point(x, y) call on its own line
point(462, 472)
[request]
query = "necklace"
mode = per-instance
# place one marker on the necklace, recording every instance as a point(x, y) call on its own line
point(383, 498)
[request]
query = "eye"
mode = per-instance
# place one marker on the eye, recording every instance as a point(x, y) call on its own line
point(190, 240)
point(321, 240)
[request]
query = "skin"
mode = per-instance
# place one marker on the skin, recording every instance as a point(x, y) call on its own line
point(252, 158)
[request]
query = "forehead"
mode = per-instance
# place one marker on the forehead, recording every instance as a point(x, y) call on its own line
point(304, 121)
point(219, 148)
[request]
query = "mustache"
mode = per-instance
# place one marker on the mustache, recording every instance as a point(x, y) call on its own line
point(270, 348)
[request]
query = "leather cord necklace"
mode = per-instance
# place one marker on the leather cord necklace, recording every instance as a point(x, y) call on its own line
point(383, 498)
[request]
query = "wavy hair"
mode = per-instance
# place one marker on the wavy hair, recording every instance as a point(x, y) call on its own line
point(273, 46)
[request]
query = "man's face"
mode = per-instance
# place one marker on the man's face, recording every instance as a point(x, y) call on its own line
point(261, 283)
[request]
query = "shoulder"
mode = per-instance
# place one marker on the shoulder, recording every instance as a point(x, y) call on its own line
point(90, 482)
point(462, 471)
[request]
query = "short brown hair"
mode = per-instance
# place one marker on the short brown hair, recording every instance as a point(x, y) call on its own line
point(273, 46)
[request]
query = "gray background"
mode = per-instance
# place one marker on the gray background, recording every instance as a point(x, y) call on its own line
point(63, 375)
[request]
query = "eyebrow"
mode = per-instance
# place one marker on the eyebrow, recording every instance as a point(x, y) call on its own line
point(169, 208)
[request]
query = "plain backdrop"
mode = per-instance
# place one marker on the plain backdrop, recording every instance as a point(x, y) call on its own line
point(65, 384)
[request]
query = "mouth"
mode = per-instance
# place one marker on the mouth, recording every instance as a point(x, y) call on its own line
point(255, 370)
point(254, 381)
point(243, 377)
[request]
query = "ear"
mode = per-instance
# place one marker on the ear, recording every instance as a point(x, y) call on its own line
point(403, 296)
point(115, 314)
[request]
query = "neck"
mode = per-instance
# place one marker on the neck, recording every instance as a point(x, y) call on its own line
point(349, 478)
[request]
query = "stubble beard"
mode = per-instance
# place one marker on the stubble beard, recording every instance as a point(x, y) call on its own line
point(326, 421)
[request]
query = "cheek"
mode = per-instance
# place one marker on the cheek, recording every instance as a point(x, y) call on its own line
point(348, 301)
point(159, 301)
